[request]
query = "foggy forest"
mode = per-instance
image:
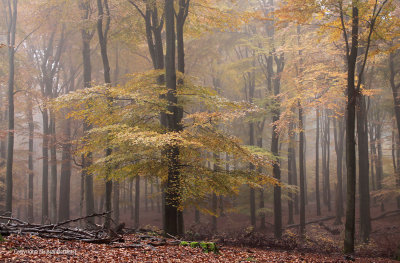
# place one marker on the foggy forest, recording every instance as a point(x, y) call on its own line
point(199, 130)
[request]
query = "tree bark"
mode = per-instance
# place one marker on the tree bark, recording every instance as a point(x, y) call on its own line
point(65, 179)
point(53, 168)
point(302, 175)
point(317, 197)
point(116, 202)
point(102, 35)
point(394, 71)
point(291, 173)
point(137, 201)
point(12, 24)
point(31, 127)
point(363, 173)
point(45, 167)
point(339, 140)
point(350, 138)
point(87, 177)
point(173, 120)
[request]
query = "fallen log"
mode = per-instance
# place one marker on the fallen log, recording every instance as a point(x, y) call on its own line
point(312, 222)
point(60, 231)
point(386, 214)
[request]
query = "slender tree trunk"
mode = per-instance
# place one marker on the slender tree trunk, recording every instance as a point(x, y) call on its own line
point(65, 179)
point(146, 195)
point(214, 205)
point(116, 201)
point(326, 160)
point(252, 190)
point(102, 35)
point(363, 173)
point(338, 137)
point(295, 181)
point(12, 23)
point(396, 98)
point(180, 22)
point(262, 204)
point(30, 160)
point(137, 201)
point(373, 155)
point(317, 165)
point(398, 169)
point(45, 167)
point(302, 175)
point(53, 168)
point(350, 138)
point(131, 203)
point(197, 216)
point(151, 197)
point(87, 177)
point(379, 160)
point(291, 173)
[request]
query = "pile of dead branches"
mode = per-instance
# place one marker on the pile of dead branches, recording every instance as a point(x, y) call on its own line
point(95, 234)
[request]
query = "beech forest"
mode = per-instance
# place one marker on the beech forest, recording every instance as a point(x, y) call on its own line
point(199, 130)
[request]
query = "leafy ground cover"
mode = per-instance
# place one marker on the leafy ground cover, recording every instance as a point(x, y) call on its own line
point(24, 248)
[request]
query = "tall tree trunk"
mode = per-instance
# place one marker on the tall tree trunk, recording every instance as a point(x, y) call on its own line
point(30, 159)
point(87, 177)
point(197, 216)
point(302, 175)
point(317, 165)
point(102, 35)
point(350, 138)
point(131, 203)
point(295, 181)
point(276, 170)
point(65, 179)
point(12, 23)
point(137, 201)
point(262, 204)
point(173, 119)
point(180, 22)
point(252, 190)
point(379, 160)
point(151, 196)
point(339, 140)
point(396, 98)
point(327, 186)
point(53, 168)
point(214, 207)
point(116, 201)
point(291, 173)
point(398, 170)
point(146, 195)
point(363, 173)
point(372, 154)
point(45, 167)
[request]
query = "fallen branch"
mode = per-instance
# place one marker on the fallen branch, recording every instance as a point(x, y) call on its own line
point(60, 231)
point(312, 222)
point(386, 214)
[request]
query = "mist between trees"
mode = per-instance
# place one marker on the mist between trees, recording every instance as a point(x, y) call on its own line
point(179, 114)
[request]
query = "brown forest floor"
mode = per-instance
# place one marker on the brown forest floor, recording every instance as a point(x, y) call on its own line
point(35, 249)
point(237, 243)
